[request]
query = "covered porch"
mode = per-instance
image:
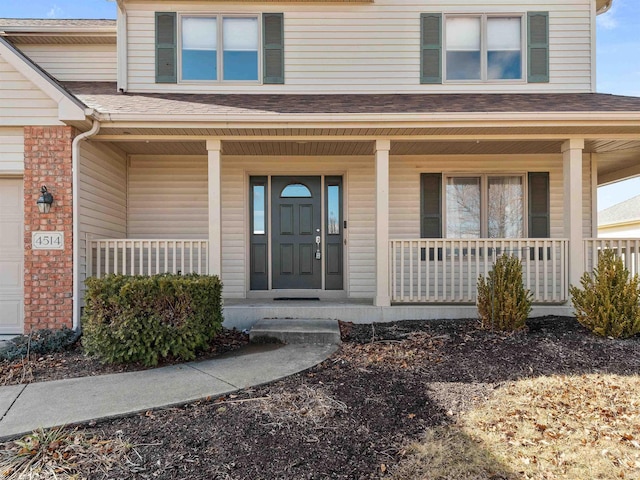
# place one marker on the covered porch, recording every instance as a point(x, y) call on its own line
point(186, 205)
point(394, 202)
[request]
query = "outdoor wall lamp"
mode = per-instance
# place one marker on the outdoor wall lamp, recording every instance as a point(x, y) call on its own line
point(45, 200)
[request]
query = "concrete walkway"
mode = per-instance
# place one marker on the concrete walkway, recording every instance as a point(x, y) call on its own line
point(77, 400)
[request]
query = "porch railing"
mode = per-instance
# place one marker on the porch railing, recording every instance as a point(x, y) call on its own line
point(447, 270)
point(628, 249)
point(146, 257)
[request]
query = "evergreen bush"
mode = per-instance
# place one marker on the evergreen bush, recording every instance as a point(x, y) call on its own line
point(145, 318)
point(608, 303)
point(503, 302)
point(40, 342)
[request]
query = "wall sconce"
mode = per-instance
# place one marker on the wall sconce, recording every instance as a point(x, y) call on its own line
point(45, 200)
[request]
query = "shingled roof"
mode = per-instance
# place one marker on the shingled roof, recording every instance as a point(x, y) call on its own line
point(623, 212)
point(104, 98)
point(43, 23)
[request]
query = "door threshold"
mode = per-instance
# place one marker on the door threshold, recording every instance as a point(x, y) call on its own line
point(308, 299)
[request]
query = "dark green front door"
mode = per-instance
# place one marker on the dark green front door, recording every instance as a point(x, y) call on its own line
point(296, 232)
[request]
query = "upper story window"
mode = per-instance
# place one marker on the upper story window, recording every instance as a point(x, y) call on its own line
point(219, 48)
point(483, 48)
point(237, 40)
point(476, 48)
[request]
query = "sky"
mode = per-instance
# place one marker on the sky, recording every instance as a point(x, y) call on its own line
point(618, 54)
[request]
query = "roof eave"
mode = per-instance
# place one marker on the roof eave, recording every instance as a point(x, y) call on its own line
point(70, 108)
point(603, 6)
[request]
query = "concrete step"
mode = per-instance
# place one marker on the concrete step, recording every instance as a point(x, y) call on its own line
point(296, 330)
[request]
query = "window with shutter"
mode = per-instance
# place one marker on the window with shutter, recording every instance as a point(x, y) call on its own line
point(484, 205)
point(219, 48)
point(166, 71)
point(538, 46)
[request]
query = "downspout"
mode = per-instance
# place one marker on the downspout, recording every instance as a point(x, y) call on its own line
point(75, 162)
point(122, 48)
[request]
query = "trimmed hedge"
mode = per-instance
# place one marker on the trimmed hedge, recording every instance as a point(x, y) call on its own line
point(503, 302)
point(145, 318)
point(609, 302)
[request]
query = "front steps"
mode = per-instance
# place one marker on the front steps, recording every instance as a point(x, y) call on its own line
point(296, 330)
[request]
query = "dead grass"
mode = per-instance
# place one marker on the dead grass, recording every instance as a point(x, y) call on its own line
point(302, 406)
point(448, 453)
point(560, 427)
point(63, 455)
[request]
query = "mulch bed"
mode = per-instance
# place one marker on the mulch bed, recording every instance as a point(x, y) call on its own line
point(74, 363)
point(352, 416)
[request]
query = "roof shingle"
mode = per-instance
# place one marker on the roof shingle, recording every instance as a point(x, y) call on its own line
point(105, 99)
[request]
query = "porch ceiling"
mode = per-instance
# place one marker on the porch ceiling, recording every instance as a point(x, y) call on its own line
point(614, 154)
point(337, 148)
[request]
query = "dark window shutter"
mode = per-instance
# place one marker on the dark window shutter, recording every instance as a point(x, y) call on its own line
point(273, 48)
point(539, 204)
point(166, 46)
point(538, 47)
point(431, 205)
point(431, 48)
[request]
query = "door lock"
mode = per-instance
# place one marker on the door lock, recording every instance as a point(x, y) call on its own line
point(318, 240)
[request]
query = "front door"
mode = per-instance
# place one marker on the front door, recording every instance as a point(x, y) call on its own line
point(296, 232)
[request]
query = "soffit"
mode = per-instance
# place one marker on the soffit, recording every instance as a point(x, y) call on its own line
point(331, 148)
point(58, 32)
point(48, 39)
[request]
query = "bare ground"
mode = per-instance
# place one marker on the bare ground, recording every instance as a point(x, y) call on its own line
point(353, 416)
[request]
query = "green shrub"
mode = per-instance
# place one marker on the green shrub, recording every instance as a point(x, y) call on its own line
point(503, 302)
point(143, 319)
point(40, 342)
point(608, 302)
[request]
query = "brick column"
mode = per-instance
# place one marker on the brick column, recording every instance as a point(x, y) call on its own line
point(48, 274)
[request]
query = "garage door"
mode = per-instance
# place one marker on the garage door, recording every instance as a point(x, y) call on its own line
point(11, 256)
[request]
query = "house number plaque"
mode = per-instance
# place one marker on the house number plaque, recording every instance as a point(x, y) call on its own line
point(47, 240)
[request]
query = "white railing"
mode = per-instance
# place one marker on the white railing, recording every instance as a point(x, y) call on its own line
point(146, 257)
point(628, 249)
point(447, 270)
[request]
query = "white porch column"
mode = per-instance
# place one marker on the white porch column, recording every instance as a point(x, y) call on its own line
point(572, 173)
point(215, 203)
point(382, 298)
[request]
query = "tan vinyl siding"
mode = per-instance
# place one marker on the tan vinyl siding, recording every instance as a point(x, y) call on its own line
point(21, 102)
point(373, 48)
point(168, 197)
point(75, 63)
point(103, 196)
point(11, 150)
point(404, 189)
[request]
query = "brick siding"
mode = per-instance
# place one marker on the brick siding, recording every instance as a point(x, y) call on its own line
point(48, 274)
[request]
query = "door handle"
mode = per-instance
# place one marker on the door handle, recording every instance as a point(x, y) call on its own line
point(318, 240)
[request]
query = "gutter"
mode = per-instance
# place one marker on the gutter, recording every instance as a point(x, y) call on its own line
point(75, 160)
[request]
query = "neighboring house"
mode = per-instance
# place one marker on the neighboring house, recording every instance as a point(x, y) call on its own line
point(378, 155)
point(621, 220)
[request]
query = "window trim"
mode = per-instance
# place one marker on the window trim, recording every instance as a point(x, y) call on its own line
point(483, 48)
point(219, 16)
point(484, 198)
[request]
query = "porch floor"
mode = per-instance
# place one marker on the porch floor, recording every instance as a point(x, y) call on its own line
point(244, 313)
